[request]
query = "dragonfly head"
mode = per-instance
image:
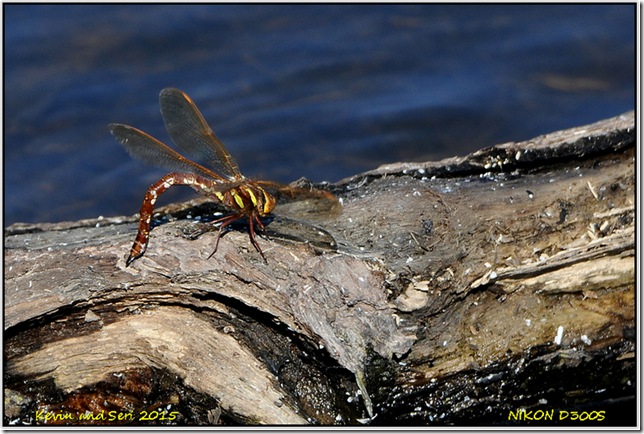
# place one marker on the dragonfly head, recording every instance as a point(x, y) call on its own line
point(266, 204)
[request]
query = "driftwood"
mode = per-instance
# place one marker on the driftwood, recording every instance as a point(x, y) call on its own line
point(496, 288)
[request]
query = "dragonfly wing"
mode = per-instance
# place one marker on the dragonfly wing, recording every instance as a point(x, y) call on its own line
point(149, 150)
point(190, 132)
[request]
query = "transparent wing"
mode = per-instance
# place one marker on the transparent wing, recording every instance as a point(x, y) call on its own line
point(190, 132)
point(149, 150)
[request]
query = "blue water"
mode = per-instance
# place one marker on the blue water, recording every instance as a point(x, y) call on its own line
point(321, 91)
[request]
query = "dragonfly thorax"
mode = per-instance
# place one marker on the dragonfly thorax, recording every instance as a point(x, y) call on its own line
point(248, 198)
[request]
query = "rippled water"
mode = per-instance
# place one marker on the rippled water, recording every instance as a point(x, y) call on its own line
point(322, 91)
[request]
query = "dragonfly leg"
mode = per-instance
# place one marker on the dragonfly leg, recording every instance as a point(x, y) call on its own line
point(225, 221)
point(251, 232)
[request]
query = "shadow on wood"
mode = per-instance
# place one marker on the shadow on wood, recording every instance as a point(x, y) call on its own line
point(455, 292)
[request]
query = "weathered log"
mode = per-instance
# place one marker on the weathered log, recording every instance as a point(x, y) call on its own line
point(451, 292)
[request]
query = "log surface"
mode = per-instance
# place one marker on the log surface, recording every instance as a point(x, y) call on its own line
point(450, 292)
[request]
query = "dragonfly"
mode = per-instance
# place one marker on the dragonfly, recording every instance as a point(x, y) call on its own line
point(219, 178)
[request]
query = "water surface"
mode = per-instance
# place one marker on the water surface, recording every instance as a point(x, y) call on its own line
point(321, 91)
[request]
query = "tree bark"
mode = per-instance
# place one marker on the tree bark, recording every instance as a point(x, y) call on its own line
point(452, 292)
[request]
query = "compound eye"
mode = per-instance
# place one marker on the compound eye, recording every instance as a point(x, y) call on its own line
point(269, 203)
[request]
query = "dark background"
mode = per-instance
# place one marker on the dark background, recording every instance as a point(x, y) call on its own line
point(321, 91)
